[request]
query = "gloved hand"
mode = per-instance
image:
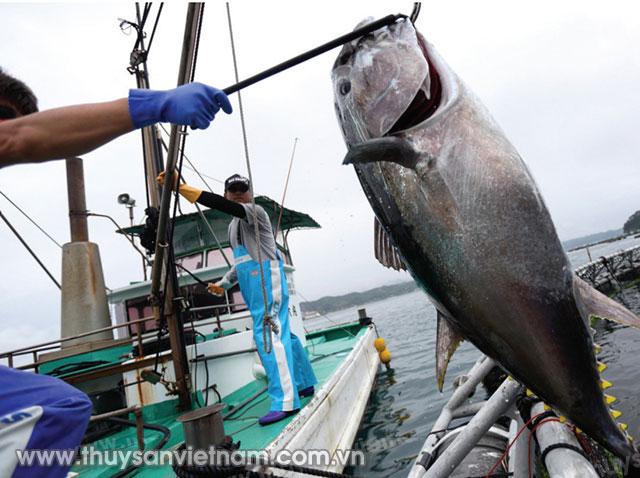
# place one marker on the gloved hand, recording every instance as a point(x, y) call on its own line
point(160, 179)
point(190, 193)
point(215, 289)
point(193, 104)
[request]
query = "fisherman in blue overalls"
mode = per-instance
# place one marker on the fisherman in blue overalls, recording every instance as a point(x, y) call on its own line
point(284, 359)
point(38, 412)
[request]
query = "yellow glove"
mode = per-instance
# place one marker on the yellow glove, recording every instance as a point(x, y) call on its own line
point(190, 193)
point(215, 289)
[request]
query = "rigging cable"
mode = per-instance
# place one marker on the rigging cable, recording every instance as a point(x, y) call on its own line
point(192, 167)
point(286, 184)
point(33, 254)
point(32, 221)
point(267, 323)
point(155, 25)
point(199, 209)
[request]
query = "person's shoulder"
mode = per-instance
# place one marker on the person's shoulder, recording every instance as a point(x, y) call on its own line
point(258, 209)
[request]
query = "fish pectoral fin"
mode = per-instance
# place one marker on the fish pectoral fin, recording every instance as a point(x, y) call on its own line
point(386, 252)
point(448, 340)
point(593, 302)
point(390, 149)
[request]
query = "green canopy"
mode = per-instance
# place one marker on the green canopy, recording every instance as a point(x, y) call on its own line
point(191, 234)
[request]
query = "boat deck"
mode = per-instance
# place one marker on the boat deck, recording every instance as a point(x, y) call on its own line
point(327, 350)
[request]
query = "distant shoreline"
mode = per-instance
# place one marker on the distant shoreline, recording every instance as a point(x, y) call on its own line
point(329, 304)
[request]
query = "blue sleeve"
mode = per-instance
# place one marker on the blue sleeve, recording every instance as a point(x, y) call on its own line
point(39, 412)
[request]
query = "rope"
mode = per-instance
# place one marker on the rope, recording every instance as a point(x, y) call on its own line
point(502, 457)
point(32, 221)
point(33, 254)
point(267, 324)
point(286, 184)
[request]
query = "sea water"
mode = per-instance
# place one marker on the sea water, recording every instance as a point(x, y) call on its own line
point(405, 401)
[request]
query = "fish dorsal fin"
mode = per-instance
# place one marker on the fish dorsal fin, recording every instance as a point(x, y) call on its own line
point(386, 253)
point(388, 149)
point(593, 302)
point(448, 339)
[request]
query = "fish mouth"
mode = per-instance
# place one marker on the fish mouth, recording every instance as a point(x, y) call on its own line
point(422, 106)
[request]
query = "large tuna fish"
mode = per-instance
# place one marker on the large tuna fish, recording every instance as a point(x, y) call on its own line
point(467, 219)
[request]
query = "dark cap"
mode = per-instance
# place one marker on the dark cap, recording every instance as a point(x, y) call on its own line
point(236, 182)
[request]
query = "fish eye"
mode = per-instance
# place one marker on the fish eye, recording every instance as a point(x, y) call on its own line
point(344, 58)
point(369, 36)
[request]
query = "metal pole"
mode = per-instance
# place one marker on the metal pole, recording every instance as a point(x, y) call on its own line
point(479, 370)
point(383, 22)
point(77, 201)
point(152, 159)
point(561, 462)
point(162, 256)
point(500, 402)
point(186, 60)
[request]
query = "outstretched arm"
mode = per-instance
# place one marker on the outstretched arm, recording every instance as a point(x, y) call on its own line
point(75, 130)
point(62, 132)
point(206, 198)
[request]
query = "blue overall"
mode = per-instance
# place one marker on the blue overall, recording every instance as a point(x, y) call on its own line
point(38, 412)
point(287, 366)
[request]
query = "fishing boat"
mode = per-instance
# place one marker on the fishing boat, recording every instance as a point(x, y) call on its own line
point(170, 367)
point(133, 373)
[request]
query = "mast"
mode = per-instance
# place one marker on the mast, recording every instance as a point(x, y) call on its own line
point(152, 153)
point(84, 304)
point(163, 259)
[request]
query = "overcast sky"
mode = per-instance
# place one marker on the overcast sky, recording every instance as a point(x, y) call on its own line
point(560, 77)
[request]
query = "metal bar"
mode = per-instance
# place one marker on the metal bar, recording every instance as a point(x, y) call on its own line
point(85, 334)
point(467, 409)
point(77, 201)
point(139, 334)
point(112, 370)
point(217, 316)
point(33, 254)
point(139, 428)
point(45, 345)
point(285, 65)
point(206, 358)
point(562, 461)
point(519, 463)
point(479, 370)
point(114, 413)
point(500, 402)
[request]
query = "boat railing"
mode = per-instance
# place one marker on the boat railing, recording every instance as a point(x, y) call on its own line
point(137, 340)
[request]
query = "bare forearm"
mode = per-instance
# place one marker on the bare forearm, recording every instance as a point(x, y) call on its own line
point(62, 132)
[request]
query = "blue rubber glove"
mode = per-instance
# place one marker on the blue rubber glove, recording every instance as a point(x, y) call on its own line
point(193, 104)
